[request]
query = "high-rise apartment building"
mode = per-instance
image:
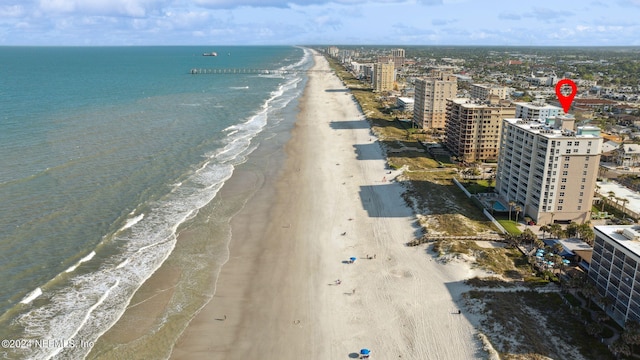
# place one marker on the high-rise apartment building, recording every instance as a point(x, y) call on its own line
point(431, 94)
point(481, 91)
point(615, 269)
point(549, 169)
point(397, 52)
point(398, 56)
point(473, 128)
point(383, 76)
point(536, 110)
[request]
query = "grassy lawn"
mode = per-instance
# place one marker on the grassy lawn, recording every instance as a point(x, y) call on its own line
point(510, 225)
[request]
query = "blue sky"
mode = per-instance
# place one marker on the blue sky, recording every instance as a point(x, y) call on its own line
point(337, 22)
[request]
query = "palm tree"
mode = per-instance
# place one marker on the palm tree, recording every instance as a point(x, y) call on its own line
point(556, 230)
point(517, 209)
point(594, 329)
point(612, 196)
point(589, 291)
point(619, 347)
point(558, 248)
point(606, 301)
point(545, 229)
point(631, 334)
point(527, 236)
point(624, 202)
point(572, 229)
point(511, 205)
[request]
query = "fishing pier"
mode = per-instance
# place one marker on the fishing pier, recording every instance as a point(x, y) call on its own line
point(226, 71)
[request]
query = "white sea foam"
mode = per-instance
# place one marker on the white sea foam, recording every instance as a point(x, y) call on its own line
point(32, 296)
point(131, 222)
point(84, 259)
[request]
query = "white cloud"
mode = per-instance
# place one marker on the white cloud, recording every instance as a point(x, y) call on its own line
point(132, 8)
point(12, 11)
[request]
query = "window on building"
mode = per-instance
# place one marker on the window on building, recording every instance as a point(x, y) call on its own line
point(568, 151)
point(567, 158)
point(564, 180)
point(563, 187)
point(566, 166)
point(565, 173)
point(559, 208)
point(560, 201)
point(569, 143)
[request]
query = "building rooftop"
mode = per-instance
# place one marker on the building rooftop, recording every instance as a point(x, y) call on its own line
point(475, 103)
point(540, 126)
point(621, 192)
point(628, 236)
point(535, 105)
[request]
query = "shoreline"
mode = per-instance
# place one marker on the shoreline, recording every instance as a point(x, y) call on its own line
point(276, 297)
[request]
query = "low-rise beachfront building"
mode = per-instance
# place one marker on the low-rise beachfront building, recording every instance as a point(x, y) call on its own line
point(615, 270)
point(548, 169)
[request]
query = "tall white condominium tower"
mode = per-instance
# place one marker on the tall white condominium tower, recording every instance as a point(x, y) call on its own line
point(431, 94)
point(548, 169)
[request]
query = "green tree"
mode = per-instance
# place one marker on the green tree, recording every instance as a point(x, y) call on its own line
point(594, 329)
point(556, 230)
point(527, 237)
point(545, 229)
point(511, 205)
point(589, 291)
point(631, 334)
point(572, 229)
point(619, 347)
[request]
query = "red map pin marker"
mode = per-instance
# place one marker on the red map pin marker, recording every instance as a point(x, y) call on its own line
point(566, 101)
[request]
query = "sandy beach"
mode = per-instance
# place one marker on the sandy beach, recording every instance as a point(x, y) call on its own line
point(276, 297)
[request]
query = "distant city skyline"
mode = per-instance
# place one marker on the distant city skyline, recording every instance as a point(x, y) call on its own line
point(319, 22)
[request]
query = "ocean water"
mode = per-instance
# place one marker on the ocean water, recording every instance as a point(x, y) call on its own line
point(106, 154)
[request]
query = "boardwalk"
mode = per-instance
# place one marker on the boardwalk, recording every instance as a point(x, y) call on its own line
point(227, 71)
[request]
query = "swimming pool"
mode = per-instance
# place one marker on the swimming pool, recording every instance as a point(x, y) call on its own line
point(498, 206)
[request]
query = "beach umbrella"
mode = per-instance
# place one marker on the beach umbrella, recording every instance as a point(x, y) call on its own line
point(353, 259)
point(365, 351)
